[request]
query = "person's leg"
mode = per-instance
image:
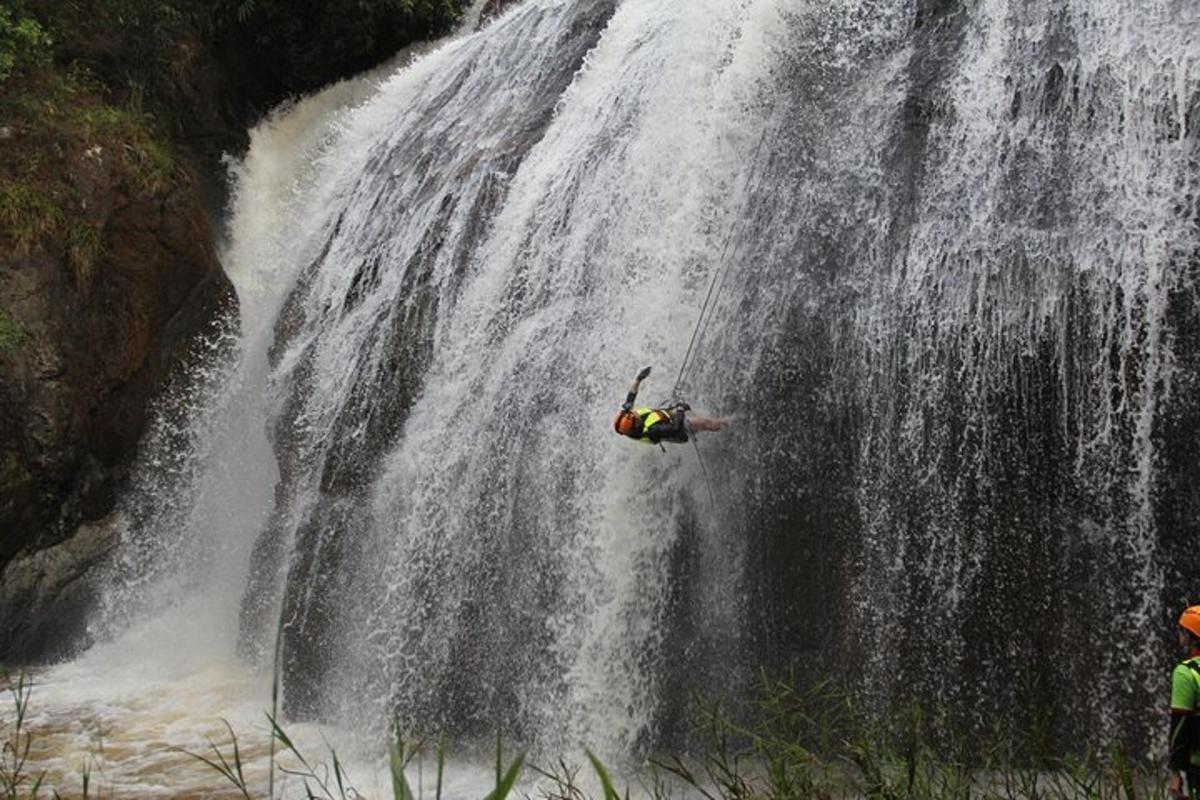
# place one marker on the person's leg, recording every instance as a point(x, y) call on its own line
point(698, 423)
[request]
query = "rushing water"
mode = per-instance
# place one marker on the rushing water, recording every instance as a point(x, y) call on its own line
point(954, 249)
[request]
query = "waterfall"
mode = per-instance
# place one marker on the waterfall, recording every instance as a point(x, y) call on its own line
point(954, 247)
point(972, 286)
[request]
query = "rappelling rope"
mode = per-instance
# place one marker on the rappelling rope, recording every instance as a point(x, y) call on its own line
point(715, 286)
point(718, 279)
point(704, 471)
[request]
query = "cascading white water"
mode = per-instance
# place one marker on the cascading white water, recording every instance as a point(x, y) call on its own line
point(367, 191)
point(501, 530)
point(945, 318)
point(165, 672)
point(985, 220)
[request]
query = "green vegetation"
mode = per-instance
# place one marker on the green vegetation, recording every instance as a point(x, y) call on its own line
point(94, 89)
point(141, 146)
point(83, 249)
point(12, 335)
point(27, 215)
point(16, 742)
point(24, 44)
point(322, 782)
point(814, 745)
point(820, 744)
point(63, 122)
point(268, 48)
point(15, 781)
point(786, 754)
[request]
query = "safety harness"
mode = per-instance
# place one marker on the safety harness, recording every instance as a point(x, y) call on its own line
point(650, 417)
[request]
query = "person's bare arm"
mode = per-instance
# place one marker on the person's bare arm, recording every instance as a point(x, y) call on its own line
point(634, 387)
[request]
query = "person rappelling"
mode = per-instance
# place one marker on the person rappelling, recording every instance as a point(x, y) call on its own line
point(657, 425)
point(1184, 738)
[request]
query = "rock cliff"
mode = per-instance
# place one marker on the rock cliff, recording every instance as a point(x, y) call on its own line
point(108, 283)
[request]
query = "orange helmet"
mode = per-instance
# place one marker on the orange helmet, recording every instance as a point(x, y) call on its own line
point(1190, 621)
point(627, 423)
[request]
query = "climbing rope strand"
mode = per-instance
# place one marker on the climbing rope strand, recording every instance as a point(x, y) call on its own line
point(718, 279)
point(708, 304)
point(687, 356)
point(704, 471)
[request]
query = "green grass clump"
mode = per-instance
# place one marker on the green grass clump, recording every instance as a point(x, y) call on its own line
point(133, 133)
point(15, 781)
point(12, 335)
point(27, 216)
point(821, 744)
point(83, 248)
point(815, 745)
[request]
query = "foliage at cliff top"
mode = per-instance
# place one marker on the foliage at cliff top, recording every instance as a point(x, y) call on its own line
point(100, 79)
point(301, 44)
point(59, 126)
point(267, 49)
point(24, 44)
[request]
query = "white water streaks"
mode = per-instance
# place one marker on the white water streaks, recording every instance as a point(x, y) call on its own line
point(508, 532)
point(1048, 216)
point(205, 487)
point(989, 213)
point(165, 673)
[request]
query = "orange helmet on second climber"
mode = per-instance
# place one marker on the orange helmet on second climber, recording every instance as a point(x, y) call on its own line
point(1190, 621)
point(626, 423)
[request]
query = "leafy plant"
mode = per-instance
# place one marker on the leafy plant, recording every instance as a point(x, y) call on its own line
point(506, 779)
point(24, 44)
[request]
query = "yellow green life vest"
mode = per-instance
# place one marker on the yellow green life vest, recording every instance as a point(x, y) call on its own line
point(650, 416)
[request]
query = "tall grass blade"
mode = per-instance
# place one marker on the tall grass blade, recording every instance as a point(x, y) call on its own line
point(441, 765)
point(400, 788)
point(221, 765)
point(499, 757)
point(237, 753)
point(274, 703)
point(278, 732)
point(338, 774)
point(679, 770)
point(605, 781)
point(506, 782)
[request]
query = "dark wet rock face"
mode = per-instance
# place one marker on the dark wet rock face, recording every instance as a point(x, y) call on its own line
point(45, 593)
point(93, 339)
